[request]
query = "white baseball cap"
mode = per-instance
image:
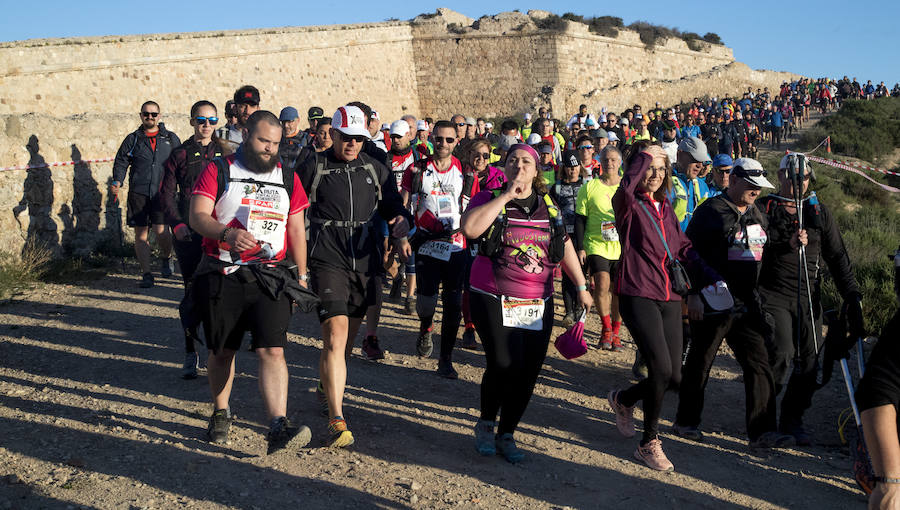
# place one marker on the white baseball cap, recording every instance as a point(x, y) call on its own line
point(717, 296)
point(533, 139)
point(399, 128)
point(351, 121)
point(421, 125)
point(751, 171)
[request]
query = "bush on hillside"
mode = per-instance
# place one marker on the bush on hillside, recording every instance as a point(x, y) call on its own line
point(608, 26)
point(861, 129)
point(712, 38)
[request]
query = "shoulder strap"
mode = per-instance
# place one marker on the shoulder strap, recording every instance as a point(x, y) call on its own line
point(134, 141)
point(374, 175)
point(658, 231)
point(287, 177)
point(223, 177)
point(320, 170)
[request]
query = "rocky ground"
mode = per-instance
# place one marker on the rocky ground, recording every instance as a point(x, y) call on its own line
point(93, 414)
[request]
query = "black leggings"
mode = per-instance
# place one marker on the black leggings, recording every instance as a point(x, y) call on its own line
point(189, 253)
point(656, 329)
point(449, 275)
point(514, 359)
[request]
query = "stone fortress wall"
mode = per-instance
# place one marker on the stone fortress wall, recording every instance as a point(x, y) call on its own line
point(79, 97)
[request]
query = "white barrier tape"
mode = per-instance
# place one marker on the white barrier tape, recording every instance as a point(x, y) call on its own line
point(850, 163)
point(56, 163)
point(823, 142)
point(843, 165)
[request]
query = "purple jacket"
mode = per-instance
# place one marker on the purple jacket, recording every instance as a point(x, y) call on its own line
point(494, 178)
point(642, 268)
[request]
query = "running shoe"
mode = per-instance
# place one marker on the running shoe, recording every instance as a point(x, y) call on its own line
point(653, 456)
point(567, 321)
point(605, 340)
point(616, 343)
point(801, 436)
point(191, 364)
point(219, 425)
point(484, 438)
point(283, 435)
point(624, 414)
point(322, 398)
point(468, 339)
point(445, 369)
point(397, 287)
point(424, 345)
point(167, 267)
point(506, 446)
point(370, 348)
point(338, 434)
point(773, 439)
point(687, 432)
point(409, 307)
point(146, 281)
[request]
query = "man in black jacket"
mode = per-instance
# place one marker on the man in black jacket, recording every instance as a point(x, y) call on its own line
point(778, 285)
point(729, 232)
point(145, 151)
point(346, 189)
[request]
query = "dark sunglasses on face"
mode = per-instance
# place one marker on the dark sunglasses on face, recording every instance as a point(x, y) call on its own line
point(585, 146)
point(482, 155)
point(212, 121)
point(149, 114)
point(446, 139)
point(357, 138)
point(460, 124)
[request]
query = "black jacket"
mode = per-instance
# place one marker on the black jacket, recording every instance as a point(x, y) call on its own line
point(289, 150)
point(146, 164)
point(348, 194)
point(781, 261)
point(180, 174)
point(718, 227)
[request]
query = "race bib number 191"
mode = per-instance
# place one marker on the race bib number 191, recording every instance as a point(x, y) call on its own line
point(523, 313)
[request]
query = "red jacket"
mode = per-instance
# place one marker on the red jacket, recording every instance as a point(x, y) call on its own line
point(642, 268)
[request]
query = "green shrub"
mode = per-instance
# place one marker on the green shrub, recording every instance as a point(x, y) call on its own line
point(19, 272)
point(862, 129)
point(712, 38)
point(608, 26)
point(551, 22)
point(573, 17)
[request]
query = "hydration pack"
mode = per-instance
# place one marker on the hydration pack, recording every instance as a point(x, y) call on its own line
point(492, 242)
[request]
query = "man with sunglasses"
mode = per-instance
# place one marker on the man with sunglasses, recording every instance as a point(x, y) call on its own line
point(347, 188)
point(182, 168)
point(795, 366)
point(293, 140)
point(730, 233)
point(246, 102)
point(717, 181)
point(145, 151)
point(438, 191)
point(584, 149)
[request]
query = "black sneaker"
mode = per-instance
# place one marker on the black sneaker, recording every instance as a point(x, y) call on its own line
point(167, 268)
point(146, 281)
point(396, 287)
point(370, 348)
point(219, 425)
point(409, 307)
point(424, 345)
point(468, 340)
point(446, 370)
point(286, 436)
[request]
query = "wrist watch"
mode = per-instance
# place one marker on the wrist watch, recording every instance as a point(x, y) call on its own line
point(224, 234)
point(303, 277)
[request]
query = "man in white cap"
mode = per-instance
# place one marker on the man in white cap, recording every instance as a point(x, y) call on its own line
point(729, 233)
point(424, 147)
point(402, 156)
point(347, 188)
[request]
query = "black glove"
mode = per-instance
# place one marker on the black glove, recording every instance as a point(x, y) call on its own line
point(856, 324)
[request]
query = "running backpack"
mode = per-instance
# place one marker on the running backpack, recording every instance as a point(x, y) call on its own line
point(492, 241)
point(224, 180)
point(312, 193)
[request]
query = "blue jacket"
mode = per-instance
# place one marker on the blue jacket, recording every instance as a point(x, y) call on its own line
point(685, 196)
point(776, 119)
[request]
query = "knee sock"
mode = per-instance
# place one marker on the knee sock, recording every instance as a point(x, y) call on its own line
point(607, 322)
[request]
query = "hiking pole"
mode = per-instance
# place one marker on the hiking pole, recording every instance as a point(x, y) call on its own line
point(848, 382)
point(860, 357)
point(121, 233)
point(801, 267)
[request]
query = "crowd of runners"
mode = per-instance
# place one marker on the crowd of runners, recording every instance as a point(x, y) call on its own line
point(652, 216)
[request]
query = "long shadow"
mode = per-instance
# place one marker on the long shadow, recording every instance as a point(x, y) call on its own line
point(227, 481)
point(37, 199)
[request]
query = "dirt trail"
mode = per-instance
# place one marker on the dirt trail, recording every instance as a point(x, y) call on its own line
point(93, 414)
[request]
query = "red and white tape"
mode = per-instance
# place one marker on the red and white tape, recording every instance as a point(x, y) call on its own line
point(56, 163)
point(850, 163)
point(855, 168)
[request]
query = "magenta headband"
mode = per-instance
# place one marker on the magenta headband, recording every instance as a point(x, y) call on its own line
point(527, 148)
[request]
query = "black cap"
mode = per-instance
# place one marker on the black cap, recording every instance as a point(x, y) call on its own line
point(570, 158)
point(315, 113)
point(248, 94)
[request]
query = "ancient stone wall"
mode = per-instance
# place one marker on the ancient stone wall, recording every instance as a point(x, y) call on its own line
point(85, 92)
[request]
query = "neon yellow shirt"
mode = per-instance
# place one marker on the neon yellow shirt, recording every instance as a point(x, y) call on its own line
point(600, 236)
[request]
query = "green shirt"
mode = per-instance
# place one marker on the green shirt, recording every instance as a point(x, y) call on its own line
point(595, 202)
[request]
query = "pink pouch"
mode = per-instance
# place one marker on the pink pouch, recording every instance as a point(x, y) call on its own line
point(571, 344)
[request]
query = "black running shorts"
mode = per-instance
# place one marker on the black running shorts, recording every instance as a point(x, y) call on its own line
point(597, 264)
point(341, 292)
point(142, 212)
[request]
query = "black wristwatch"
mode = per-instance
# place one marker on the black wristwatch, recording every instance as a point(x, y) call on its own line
point(224, 233)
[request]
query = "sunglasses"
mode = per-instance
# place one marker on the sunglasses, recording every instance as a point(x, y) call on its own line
point(150, 114)
point(356, 138)
point(446, 139)
point(212, 121)
point(482, 155)
point(585, 146)
point(460, 124)
point(743, 172)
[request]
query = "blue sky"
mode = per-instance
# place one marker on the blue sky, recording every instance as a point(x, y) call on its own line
point(812, 38)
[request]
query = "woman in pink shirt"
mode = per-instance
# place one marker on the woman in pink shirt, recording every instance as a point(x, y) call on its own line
point(522, 240)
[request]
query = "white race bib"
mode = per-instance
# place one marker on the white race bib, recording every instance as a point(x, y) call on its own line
point(608, 231)
point(265, 221)
point(436, 249)
point(523, 313)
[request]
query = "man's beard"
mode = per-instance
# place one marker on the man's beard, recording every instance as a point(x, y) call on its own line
point(257, 164)
point(667, 138)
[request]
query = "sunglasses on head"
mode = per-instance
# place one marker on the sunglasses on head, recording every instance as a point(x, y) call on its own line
point(212, 121)
point(149, 114)
point(445, 139)
point(482, 155)
point(743, 172)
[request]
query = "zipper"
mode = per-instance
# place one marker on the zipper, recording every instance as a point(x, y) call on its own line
point(662, 264)
point(350, 191)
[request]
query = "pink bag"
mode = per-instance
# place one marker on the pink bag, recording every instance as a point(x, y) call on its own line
point(571, 344)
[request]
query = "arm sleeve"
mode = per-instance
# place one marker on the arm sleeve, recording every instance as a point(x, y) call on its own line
point(835, 254)
point(120, 164)
point(580, 224)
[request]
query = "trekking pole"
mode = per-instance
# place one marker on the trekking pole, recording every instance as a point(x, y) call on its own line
point(848, 382)
point(860, 357)
point(121, 233)
point(801, 267)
